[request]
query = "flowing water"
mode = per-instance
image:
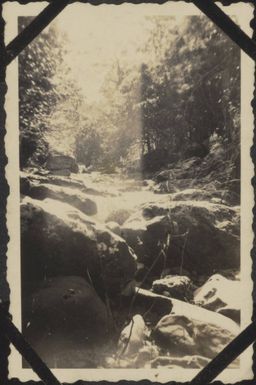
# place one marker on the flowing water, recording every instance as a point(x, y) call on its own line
point(118, 192)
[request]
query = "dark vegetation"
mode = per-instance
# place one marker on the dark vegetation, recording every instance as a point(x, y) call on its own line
point(164, 110)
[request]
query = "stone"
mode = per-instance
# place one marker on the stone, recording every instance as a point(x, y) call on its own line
point(73, 181)
point(203, 236)
point(64, 316)
point(144, 237)
point(59, 162)
point(180, 287)
point(119, 216)
point(220, 294)
point(65, 194)
point(132, 337)
point(191, 330)
point(59, 240)
point(58, 180)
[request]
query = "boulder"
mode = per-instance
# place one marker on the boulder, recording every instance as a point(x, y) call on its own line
point(180, 287)
point(195, 235)
point(132, 337)
point(69, 195)
point(119, 216)
point(34, 178)
point(59, 163)
point(65, 316)
point(146, 238)
point(220, 294)
point(191, 330)
point(59, 240)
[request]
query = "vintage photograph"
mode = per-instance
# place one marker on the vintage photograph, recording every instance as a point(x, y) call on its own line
point(131, 140)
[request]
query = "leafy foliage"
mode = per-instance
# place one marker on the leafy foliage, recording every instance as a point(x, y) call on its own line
point(185, 89)
point(48, 96)
point(193, 92)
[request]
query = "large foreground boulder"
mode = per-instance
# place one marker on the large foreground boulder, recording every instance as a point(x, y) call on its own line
point(191, 330)
point(63, 318)
point(60, 164)
point(200, 237)
point(222, 295)
point(59, 240)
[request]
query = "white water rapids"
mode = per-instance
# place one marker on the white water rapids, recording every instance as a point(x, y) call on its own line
point(117, 192)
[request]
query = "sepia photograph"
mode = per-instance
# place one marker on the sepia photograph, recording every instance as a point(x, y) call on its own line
point(130, 209)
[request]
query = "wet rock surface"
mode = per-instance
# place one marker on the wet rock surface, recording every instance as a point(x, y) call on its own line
point(220, 294)
point(58, 240)
point(72, 196)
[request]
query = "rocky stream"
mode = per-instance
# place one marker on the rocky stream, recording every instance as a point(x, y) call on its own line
point(122, 272)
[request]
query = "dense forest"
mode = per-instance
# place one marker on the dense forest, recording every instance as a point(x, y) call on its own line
point(166, 108)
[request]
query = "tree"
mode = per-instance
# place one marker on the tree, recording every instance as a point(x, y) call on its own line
point(190, 90)
point(46, 93)
point(88, 146)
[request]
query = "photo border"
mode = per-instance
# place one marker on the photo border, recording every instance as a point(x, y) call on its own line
point(3, 162)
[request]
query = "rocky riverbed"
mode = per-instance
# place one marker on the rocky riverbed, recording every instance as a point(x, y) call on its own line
point(129, 272)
